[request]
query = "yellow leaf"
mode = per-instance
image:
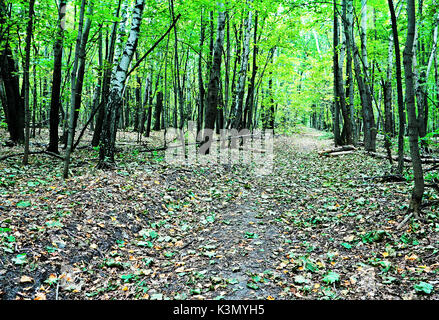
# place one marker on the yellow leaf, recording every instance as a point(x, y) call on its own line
point(412, 257)
point(40, 296)
point(385, 254)
point(270, 298)
point(25, 279)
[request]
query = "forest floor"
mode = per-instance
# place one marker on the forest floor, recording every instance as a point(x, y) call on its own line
point(314, 228)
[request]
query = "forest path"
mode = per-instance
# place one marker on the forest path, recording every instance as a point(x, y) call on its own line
point(250, 239)
point(311, 229)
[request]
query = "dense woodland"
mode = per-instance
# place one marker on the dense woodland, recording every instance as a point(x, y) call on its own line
point(356, 81)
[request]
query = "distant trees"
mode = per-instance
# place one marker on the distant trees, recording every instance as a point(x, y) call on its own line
point(225, 65)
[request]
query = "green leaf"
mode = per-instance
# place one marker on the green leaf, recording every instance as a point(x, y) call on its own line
point(346, 245)
point(423, 287)
point(23, 204)
point(145, 244)
point(331, 277)
point(210, 218)
point(156, 296)
point(252, 285)
point(195, 291)
point(251, 235)
point(299, 279)
point(20, 259)
point(153, 234)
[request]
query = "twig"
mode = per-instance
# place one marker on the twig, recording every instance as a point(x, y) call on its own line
point(57, 290)
point(403, 222)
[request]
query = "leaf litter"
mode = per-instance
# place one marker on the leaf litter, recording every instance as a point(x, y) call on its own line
point(312, 229)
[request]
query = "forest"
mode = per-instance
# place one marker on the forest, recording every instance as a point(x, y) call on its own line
point(219, 150)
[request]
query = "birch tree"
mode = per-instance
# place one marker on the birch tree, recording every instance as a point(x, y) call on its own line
point(108, 139)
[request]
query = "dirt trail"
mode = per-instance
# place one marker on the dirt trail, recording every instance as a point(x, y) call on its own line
point(250, 239)
point(311, 229)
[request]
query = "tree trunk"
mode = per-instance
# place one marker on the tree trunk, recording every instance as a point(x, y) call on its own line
point(27, 81)
point(215, 74)
point(55, 102)
point(348, 32)
point(201, 96)
point(14, 108)
point(413, 126)
point(239, 98)
point(340, 103)
point(251, 87)
point(81, 69)
point(110, 54)
point(74, 85)
point(108, 139)
point(158, 111)
point(401, 110)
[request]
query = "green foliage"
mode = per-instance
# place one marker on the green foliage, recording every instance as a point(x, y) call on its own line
point(423, 287)
point(331, 277)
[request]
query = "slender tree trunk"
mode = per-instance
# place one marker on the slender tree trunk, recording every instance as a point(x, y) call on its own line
point(108, 139)
point(413, 126)
point(55, 102)
point(200, 77)
point(158, 111)
point(74, 85)
point(339, 104)
point(177, 73)
point(81, 68)
point(215, 74)
point(401, 110)
point(240, 90)
point(26, 80)
point(363, 80)
point(251, 87)
point(110, 54)
point(348, 32)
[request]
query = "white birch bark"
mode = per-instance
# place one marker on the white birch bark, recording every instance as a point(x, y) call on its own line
point(108, 140)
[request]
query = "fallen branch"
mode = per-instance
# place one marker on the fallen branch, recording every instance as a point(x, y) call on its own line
point(388, 178)
point(32, 152)
point(406, 159)
point(341, 153)
point(337, 149)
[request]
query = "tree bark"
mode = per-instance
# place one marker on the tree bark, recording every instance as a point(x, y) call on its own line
point(413, 126)
point(55, 102)
point(108, 139)
point(215, 74)
point(27, 81)
point(110, 54)
point(74, 86)
point(401, 110)
point(14, 107)
point(240, 90)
